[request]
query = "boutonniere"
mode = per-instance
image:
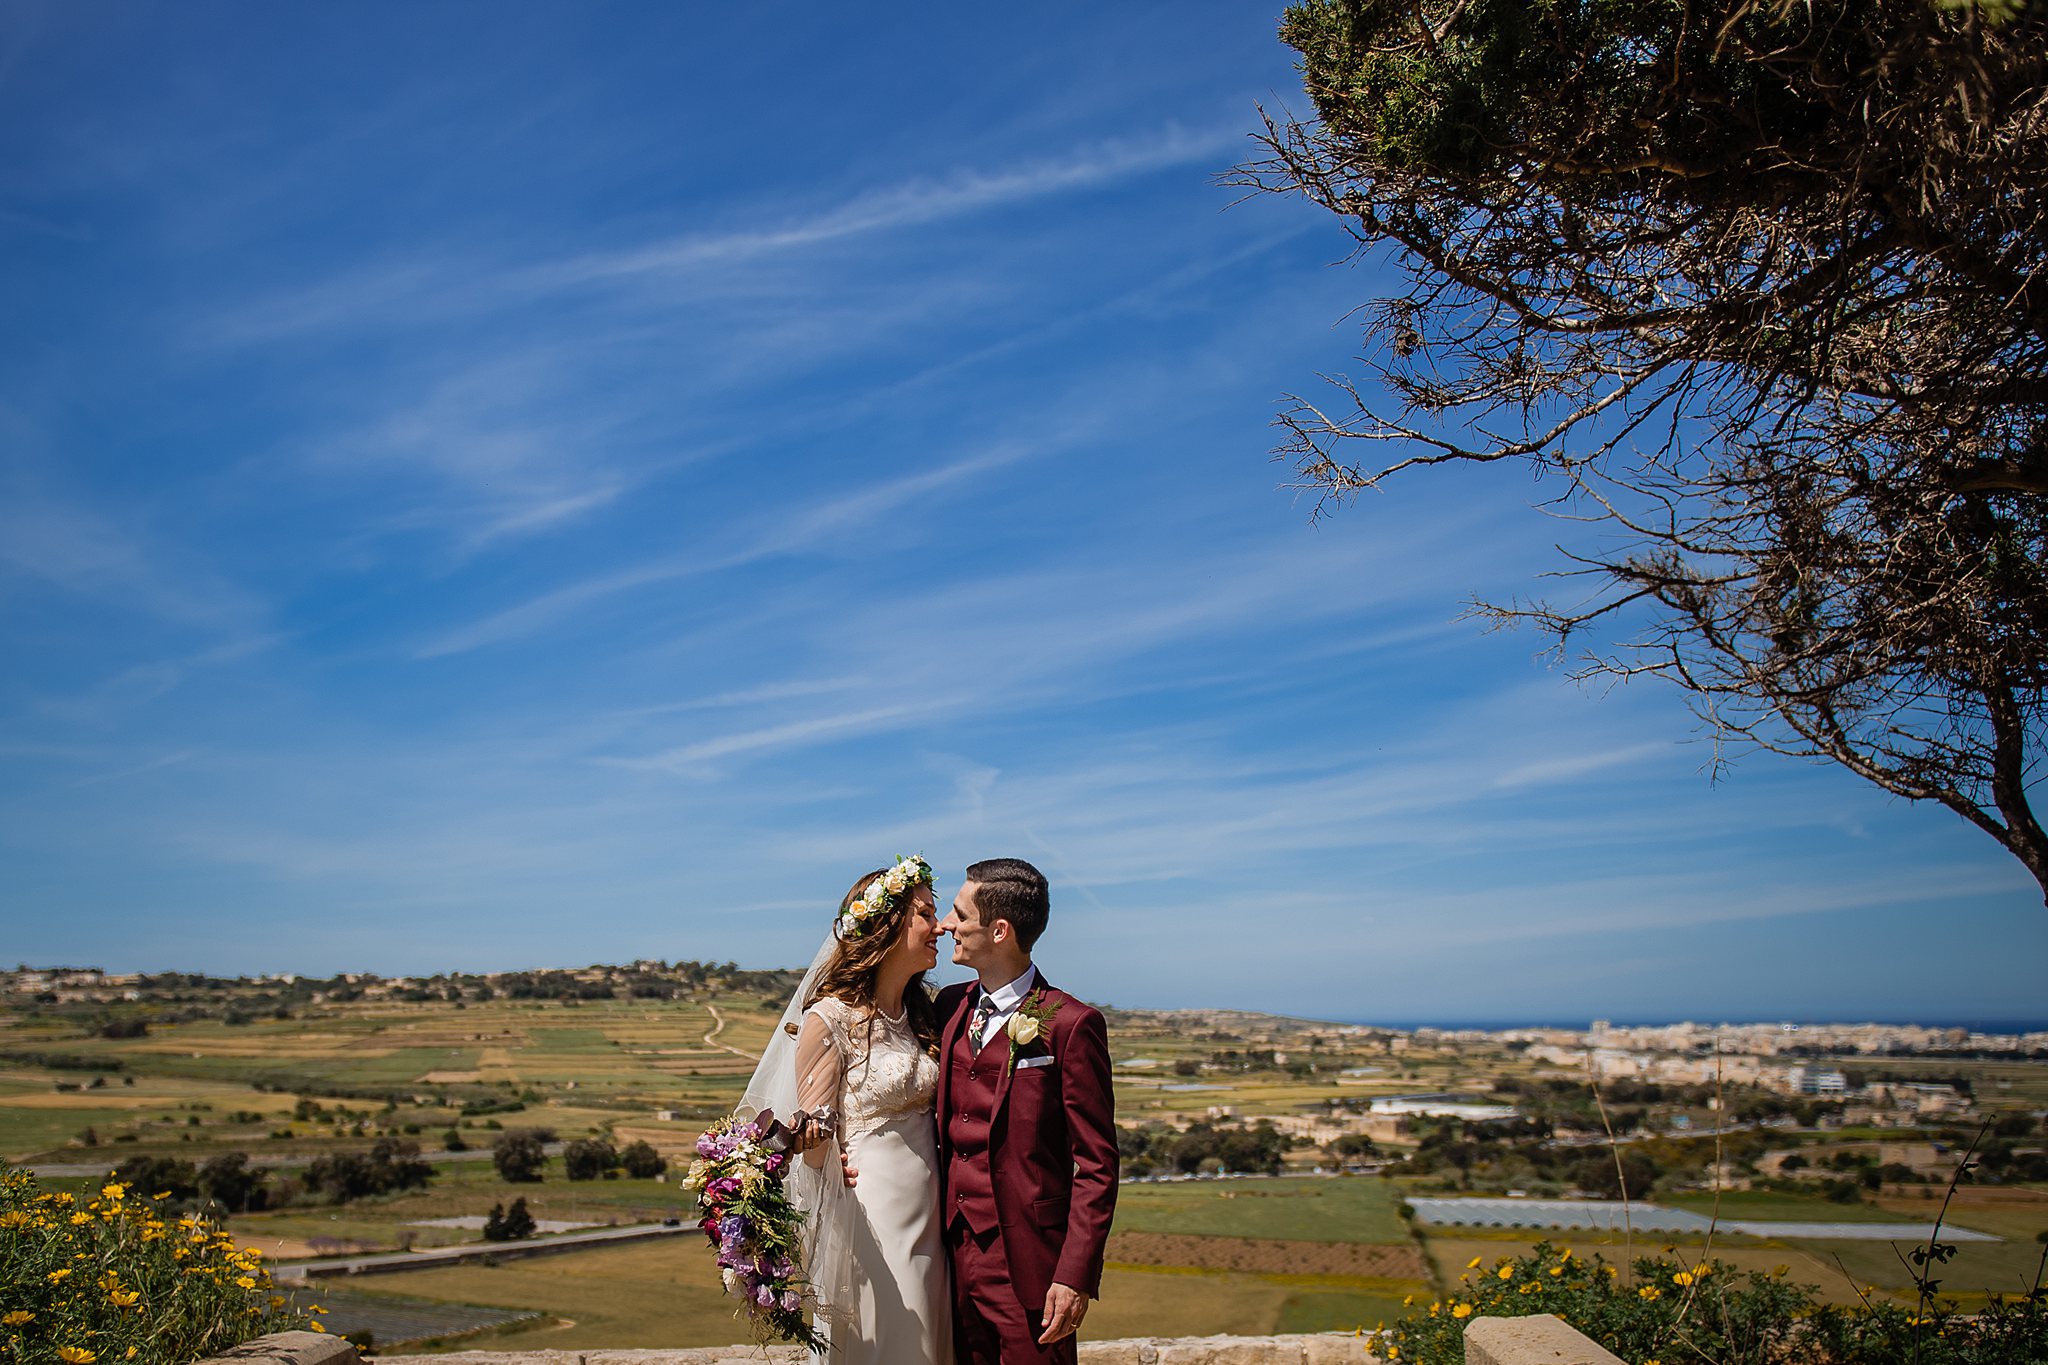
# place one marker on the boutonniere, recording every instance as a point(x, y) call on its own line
point(1028, 1022)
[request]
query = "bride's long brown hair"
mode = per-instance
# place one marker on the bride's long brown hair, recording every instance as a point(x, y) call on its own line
point(850, 973)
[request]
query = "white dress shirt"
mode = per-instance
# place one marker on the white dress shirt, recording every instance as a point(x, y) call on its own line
point(1007, 998)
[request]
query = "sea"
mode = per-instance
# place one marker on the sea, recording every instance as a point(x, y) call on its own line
point(1620, 1021)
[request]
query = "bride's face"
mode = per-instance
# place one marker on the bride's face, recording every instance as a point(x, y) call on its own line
point(917, 942)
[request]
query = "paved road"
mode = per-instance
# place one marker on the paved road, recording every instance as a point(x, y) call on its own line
point(470, 1251)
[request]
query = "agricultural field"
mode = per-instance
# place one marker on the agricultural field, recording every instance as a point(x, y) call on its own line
point(1307, 1250)
point(1322, 1259)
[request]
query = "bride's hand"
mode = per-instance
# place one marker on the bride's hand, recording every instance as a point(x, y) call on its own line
point(852, 1175)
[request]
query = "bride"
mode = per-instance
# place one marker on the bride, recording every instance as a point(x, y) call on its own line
point(860, 1039)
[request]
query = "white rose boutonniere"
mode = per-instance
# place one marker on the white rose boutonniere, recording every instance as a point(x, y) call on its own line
point(1028, 1023)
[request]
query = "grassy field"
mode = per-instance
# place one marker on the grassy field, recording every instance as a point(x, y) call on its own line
point(667, 1295)
point(1785, 1207)
point(582, 1067)
point(1305, 1209)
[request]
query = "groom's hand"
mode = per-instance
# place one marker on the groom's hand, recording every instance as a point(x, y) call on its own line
point(1064, 1309)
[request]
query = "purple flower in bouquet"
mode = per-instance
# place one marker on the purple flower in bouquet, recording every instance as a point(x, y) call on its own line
point(723, 1188)
point(791, 1301)
point(764, 1296)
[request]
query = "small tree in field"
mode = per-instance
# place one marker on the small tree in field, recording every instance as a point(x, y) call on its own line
point(641, 1161)
point(590, 1159)
point(520, 1154)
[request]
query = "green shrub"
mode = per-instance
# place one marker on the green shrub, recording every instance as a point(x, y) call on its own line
point(114, 1280)
point(1709, 1313)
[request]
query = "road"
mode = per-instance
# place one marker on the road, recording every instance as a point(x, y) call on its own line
point(469, 1251)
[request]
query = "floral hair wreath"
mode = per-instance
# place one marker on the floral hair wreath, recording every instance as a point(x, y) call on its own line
point(882, 895)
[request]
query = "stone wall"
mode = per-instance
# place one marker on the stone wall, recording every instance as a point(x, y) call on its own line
point(312, 1348)
point(1542, 1339)
point(1537, 1340)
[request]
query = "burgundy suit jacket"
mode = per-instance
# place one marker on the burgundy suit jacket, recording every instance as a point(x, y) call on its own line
point(1052, 1144)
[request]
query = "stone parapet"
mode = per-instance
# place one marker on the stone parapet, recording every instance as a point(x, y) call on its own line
point(289, 1348)
point(1541, 1339)
point(1318, 1349)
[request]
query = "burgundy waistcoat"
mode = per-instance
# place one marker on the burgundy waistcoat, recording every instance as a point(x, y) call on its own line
point(972, 1082)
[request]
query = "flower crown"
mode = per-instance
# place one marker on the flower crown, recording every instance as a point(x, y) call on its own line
point(882, 895)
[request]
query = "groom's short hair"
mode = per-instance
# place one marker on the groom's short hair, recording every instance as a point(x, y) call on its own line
point(1012, 889)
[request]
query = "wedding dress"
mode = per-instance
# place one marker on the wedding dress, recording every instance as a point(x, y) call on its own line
point(891, 1302)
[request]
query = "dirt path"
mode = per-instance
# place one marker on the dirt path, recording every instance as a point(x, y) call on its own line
point(711, 1038)
point(1267, 1256)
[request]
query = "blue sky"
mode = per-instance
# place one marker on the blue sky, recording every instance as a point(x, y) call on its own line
point(488, 486)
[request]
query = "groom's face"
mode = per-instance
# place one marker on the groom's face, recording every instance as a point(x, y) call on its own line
point(971, 939)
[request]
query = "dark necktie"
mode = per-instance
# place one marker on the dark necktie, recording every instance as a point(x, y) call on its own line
point(984, 1010)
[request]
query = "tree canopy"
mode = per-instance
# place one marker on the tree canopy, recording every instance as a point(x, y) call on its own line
point(1758, 286)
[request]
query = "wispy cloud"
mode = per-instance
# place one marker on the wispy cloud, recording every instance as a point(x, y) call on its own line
point(92, 552)
point(912, 204)
point(806, 528)
point(458, 284)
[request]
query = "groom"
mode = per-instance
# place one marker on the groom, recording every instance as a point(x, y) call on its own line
point(1027, 1147)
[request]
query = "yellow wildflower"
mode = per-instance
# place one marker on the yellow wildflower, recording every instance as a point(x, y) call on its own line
point(1461, 1310)
point(123, 1298)
point(13, 1218)
point(1648, 1292)
point(1556, 1271)
point(1781, 1270)
point(1507, 1272)
point(1393, 1353)
point(244, 1282)
point(316, 1326)
point(80, 1219)
point(130, 1355)
point(17, 1318)
point(316, 1309)
point(113, 1189)
point(1473, 1264)
point(1682, 1278)
point(1567, 1254)
point(1702, 1270)
point(76, 1355)
point(1407, 1299)
point(58, 1276)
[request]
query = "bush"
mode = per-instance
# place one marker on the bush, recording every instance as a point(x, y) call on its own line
point(641, 1161)
point(1710, 1314)
point(509, 1225)
point(116, 1281)
point(519, 1155)
point(589, 1159)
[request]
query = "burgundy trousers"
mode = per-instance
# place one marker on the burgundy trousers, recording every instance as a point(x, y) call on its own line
point(989, 1326)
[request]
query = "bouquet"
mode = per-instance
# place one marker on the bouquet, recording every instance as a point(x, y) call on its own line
point(752, 1223)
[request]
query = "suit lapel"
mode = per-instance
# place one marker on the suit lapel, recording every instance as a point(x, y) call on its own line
point(1042, 992)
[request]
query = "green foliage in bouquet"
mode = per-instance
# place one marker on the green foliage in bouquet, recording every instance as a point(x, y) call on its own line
point(115, 1279)
point(1709, 1313)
